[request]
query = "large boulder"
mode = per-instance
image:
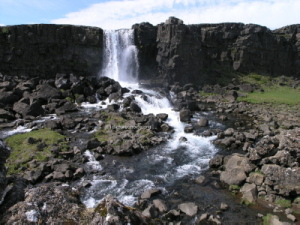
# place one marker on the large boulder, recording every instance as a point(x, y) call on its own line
point(185, 115)
point(233, 177)
point(286, 180)
point(236, 169)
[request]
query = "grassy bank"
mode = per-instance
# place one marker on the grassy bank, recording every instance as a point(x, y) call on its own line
point(280, 90)
point(35, 145)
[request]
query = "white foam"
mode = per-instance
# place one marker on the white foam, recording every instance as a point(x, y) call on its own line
point(92, 164)
point(19, 129)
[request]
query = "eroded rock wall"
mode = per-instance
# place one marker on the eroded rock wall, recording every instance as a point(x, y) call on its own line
point(46, 49)
point(203, 52)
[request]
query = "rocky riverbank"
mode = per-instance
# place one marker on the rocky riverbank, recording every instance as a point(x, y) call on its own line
point(259, 160)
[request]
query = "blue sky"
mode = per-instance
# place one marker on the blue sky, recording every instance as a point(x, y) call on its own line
point(124, 13)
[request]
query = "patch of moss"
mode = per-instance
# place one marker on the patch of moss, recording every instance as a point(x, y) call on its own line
point(285, 203)
point(102, 135)
point(267, 219)
point(24, 150)
point(257, 172)
point(234, 188)
point(246, 202)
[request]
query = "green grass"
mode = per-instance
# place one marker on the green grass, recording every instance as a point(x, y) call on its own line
point(284, 203)
point(275, 95)
point(23, 152)
point(276, 90)
point(254, 78)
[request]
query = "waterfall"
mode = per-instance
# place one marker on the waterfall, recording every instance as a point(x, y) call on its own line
point(163, 166)
point(120, 61)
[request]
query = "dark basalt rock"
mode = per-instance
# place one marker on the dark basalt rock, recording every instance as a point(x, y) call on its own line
point(46, 49)
point(189, 53)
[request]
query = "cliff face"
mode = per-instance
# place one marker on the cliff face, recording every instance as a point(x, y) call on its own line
point(201, 53)
point(45, 49)
point(171, 51)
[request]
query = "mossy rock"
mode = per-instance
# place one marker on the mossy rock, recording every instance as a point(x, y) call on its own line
point(34, 145)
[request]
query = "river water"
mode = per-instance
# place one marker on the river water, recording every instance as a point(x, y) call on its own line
point(161, 167)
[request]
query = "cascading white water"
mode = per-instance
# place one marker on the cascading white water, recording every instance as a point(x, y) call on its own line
point(120, 60)
point(165, 165)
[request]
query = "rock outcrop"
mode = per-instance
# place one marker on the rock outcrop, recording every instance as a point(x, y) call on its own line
point(170, 51)
point(46, 49)
point(203, 52)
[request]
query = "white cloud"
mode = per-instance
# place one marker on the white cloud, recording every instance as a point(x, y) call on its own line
point(123, 14)
point(1, 25)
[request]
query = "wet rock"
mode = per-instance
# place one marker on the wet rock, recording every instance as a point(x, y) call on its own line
point(94, 143)
point(202, 122)
point(188, 129)
point(185, 115)
point(183, 139)
point(216, 162)
point(135, 107)
point(113, 107)
point(127, 101)
point(189, 208)
point(162, 116)
point(79, 172)
point(150, 193)
point(165, 127)
point(67, 107)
